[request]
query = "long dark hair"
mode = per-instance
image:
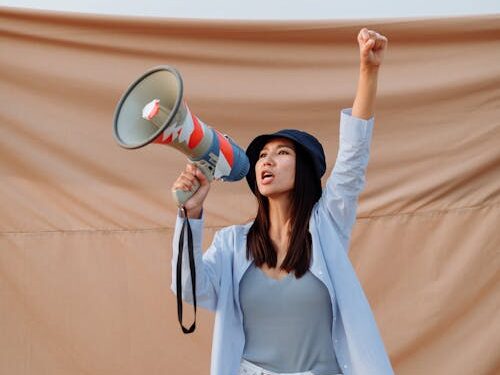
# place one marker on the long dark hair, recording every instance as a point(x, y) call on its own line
point(306, 192)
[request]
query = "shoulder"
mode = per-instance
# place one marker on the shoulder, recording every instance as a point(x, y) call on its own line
point(237, 231)
point(232, 240)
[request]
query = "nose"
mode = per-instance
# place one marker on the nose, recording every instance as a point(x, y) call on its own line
point(267, 160)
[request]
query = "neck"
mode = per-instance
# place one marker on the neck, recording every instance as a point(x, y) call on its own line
point(280, 222)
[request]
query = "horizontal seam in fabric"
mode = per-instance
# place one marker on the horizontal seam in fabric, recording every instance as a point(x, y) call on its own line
point(427, 213)
point(217, 227)
point(69, 231)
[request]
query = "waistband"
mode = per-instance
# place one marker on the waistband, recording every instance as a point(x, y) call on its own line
point(249, 368)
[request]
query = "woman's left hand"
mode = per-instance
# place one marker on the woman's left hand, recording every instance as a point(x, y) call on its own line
point(372, 47)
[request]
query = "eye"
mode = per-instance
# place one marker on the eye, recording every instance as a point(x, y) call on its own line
point(262, 154)
point(283, 152)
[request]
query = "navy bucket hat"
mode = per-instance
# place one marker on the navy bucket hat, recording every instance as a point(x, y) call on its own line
point(305, 141)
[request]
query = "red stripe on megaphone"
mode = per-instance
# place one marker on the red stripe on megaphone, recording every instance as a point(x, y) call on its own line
point(226, 148)
point(197, 133)
point(162, 141)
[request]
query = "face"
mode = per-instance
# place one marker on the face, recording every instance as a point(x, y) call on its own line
point(275, 168)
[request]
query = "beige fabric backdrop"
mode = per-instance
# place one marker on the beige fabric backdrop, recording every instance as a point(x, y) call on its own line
point(85, 226)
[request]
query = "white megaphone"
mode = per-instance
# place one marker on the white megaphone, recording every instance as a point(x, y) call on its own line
point(152, 110)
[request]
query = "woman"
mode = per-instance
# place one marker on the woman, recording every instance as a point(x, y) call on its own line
point(286, 297)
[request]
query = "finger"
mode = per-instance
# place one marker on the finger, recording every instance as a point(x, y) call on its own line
point(188, 175)
point(189, 180)
point(181, 186)
point(196, 172)
point(382, 42)
point(186, 184)
point(201, 177)
point(363, 35)
point(191, 167)
point(183, 182)
point(368, 46)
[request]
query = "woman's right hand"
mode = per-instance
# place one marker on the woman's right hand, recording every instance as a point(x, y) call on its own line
point(185, 181)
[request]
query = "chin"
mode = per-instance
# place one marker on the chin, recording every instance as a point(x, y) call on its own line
point(271, 192)
point(264, 192)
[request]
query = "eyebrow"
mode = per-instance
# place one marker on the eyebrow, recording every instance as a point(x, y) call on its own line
point(291, 147)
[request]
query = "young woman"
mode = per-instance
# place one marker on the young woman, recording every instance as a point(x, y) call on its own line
point(286, 297)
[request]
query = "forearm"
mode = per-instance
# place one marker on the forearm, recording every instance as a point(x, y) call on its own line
point(347, 179)
point(364, 102)
point(206, 266)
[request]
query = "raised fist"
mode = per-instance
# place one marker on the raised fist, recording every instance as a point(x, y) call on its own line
point(372, 47)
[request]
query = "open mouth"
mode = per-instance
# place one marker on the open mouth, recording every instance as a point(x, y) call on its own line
point(266, 177)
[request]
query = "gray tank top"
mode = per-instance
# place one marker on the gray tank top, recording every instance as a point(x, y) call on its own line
point(287, 323)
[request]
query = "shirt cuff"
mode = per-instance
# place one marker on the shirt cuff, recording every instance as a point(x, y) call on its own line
point(354, 129)
point(196, 224)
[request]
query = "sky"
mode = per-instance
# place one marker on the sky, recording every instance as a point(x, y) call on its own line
point(269, 9)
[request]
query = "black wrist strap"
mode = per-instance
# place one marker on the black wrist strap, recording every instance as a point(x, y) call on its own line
point(185, 226)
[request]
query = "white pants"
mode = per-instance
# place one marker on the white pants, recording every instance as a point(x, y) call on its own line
point(248, 368)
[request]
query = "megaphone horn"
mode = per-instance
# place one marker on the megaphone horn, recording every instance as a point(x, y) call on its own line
point(152, 110)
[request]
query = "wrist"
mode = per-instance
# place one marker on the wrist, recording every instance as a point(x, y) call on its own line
point(370, 71)
point(194, 213)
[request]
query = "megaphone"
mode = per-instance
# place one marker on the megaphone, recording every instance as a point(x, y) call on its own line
point(153, 110)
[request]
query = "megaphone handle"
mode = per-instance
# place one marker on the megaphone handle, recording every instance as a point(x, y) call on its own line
point(181, 196)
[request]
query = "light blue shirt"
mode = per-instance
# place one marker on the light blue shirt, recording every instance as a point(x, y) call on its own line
point(356, 339)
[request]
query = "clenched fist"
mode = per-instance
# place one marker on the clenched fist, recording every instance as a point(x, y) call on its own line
point(372, 47)
point(186, 182)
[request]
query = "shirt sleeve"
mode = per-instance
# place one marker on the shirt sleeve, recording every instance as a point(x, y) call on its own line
point(207, 265)
point(338, 202)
